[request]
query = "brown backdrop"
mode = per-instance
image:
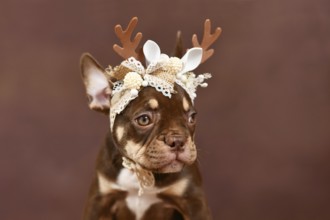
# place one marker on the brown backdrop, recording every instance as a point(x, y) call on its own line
point(264, 120)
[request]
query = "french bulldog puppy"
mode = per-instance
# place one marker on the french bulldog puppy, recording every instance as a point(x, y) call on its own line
point(147, 168)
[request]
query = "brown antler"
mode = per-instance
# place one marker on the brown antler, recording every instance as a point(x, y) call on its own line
point(129, 47)
point(208, 40)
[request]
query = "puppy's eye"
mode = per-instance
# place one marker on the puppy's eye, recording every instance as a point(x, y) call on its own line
point(192, 118)
point(143, 120)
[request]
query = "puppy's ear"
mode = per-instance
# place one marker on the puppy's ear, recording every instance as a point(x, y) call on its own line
point(96, 83)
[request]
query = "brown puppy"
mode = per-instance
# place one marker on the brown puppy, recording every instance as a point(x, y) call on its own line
point(147, 167)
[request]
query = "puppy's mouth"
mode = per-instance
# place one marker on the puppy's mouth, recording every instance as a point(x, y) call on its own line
point(174, 165)
point(169, 161)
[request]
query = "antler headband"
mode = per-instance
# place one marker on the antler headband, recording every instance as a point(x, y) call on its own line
point(160, 71)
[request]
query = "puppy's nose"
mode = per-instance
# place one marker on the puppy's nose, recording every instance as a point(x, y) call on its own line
point(175, 141)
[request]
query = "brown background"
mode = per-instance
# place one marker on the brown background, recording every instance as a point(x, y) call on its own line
point(264, 120)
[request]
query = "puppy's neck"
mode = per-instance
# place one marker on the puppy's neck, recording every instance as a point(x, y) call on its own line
point(145, 177)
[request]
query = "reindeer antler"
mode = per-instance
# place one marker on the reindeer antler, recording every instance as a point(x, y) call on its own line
point(208, 40)
point(129, 47)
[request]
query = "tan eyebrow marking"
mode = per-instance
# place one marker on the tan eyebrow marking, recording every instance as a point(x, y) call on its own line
point(153, 103)
point(185, 104)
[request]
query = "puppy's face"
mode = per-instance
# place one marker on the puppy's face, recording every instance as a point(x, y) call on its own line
point(157, 132)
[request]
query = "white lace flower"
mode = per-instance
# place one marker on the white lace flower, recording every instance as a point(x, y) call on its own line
point(132, 80)
point(173, 66)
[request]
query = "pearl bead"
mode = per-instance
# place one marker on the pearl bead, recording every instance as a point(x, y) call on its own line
point(134, 92)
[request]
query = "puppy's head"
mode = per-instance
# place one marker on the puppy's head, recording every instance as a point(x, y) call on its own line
point(157, 132)
point(153, 130)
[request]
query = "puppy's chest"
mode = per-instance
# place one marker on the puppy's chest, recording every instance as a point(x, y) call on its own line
point(138, 204)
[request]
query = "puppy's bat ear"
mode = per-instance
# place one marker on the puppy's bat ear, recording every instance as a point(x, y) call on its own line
point(96, 83)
